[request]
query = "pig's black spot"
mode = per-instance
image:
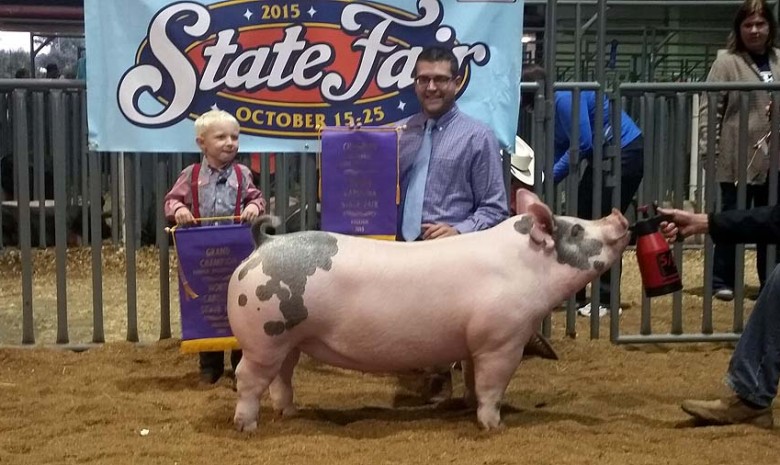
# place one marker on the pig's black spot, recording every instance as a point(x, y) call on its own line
point(524, 224)
point(573, 247)
point(263, 293)
point(242, 300)
point(252, 261)
point(288, 261)
point(598, 265)
point(274, 328)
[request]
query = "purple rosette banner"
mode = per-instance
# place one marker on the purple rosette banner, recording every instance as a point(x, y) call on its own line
point(208, 255)
point(359, 181)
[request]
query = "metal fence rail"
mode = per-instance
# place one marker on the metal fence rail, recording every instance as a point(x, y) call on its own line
point(70, 196)
point(674, 175)
point(61, 194)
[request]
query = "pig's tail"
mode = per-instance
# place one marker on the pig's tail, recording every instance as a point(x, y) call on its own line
point(263, 227)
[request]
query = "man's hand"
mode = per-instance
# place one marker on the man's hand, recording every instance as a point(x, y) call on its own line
point(250, 212)
point(183, 216)
point(683, 223)
point(437, 230)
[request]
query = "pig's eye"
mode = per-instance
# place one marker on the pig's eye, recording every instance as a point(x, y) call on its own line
point(576, 231)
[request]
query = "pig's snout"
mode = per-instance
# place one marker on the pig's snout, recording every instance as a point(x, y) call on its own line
point(616, 227)
point(619, 218)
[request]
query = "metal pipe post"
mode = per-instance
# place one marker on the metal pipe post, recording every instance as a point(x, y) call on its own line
point(162, 243)
point(58, 125)
point(20, 146)
point(96, 226)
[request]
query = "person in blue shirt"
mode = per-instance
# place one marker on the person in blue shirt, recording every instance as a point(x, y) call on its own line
point(632, 159)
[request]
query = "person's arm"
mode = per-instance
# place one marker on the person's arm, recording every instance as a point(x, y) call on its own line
point(759, 225)
point(683, 223)
point(718, 73)
point(487, 182)
point(179, 195)
point(563, 114)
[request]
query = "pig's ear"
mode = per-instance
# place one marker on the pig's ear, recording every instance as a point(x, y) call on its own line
point(542, 230)
point(523, 199)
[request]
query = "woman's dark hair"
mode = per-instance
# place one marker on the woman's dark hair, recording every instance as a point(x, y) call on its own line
point(532, 72)
point(749, 8)
point(434, 54)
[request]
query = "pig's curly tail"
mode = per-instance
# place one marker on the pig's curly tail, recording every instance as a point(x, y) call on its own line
point(263, 228)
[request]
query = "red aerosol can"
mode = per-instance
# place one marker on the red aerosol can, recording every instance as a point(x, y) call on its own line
point(656, 263)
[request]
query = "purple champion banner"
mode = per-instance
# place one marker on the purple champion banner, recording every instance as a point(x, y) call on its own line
point(208, 255)
point(360, 181)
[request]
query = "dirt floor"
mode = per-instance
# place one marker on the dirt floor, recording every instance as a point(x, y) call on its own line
point(126, 403)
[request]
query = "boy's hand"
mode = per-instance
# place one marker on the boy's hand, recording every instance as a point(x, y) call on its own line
point(250, 213)
point(184, 216)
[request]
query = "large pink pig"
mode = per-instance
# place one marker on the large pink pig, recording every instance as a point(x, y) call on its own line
point(381, 306)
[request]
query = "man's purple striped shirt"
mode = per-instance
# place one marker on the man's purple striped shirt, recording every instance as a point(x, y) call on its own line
point(465, 185)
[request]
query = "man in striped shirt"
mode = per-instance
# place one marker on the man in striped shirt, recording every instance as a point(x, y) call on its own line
point(464, 190)
point(462, 185)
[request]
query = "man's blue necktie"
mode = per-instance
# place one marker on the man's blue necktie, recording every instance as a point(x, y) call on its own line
point(415, 191)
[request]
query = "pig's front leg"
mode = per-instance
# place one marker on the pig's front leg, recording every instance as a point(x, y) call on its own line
point(281, 390)
point(252, 379)
point(492, 372)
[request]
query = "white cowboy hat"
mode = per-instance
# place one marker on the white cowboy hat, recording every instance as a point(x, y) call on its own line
point(523, 162)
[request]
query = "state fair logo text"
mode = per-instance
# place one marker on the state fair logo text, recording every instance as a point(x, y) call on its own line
point(285, 68)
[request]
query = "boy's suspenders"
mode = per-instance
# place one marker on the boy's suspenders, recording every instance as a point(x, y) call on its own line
point(240, 180)
point(194, 189)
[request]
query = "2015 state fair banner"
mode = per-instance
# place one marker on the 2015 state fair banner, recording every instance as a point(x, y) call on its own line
point(286, 67)
point(208, 255)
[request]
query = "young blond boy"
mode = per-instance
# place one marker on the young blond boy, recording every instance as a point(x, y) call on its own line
point(215, 187)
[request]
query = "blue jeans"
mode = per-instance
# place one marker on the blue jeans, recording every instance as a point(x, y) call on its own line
point(754, 370)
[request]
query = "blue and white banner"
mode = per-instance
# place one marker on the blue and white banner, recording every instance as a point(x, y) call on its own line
point(285, 68)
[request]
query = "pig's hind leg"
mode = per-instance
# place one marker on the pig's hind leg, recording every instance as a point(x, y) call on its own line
point(252, 379)
point(281, 389)
point(492, 372)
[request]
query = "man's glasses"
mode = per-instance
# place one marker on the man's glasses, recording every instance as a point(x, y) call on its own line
point(438, 81)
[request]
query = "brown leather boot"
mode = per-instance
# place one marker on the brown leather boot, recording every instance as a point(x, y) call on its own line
point(730, 410)
point(539, 346)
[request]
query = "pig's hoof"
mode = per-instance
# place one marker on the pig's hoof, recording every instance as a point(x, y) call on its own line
point(245, 426)
point(489, 419)
point(498, 426)
point(287, 412)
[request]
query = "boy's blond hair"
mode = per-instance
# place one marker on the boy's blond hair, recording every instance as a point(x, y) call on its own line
point(206, 120)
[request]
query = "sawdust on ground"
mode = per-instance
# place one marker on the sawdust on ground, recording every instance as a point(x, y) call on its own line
point(128, 403)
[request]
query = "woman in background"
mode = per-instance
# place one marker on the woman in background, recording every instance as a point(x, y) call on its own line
point(750, 57)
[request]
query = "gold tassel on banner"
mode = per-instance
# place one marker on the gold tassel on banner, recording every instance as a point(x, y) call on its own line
point(213, 344)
